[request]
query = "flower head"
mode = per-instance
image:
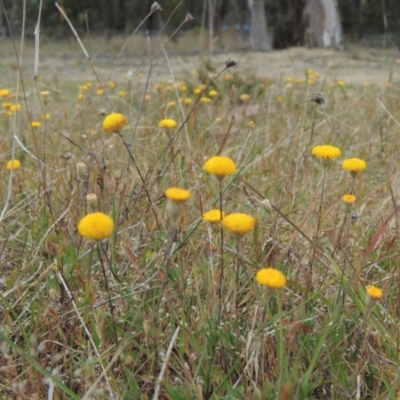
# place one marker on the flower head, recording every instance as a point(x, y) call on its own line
point(36, 124)
point(239, 223)
point(177, 194)
point(244, 97)
point(229, 77)
point(4, 92)
point(213, 216)
point(212, 93)
point(176, 198)
point(326, 151)
point(220, 166)
point(114, 122)
point(167, 124)
point(96, 226)
point(271, 277)
point(349, 198)
point(186, 100)
point(171, 104)
point(374, 292)
point(13, 165)
point(354, 165)
point(205, 100)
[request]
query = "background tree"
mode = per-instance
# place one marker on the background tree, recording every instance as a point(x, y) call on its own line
point(259, 35)
point(289, 23)
point(324, 23)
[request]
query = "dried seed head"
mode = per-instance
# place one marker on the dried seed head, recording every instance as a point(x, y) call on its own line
point(91, 199)
point(81, 168)
point(189, 17)
point(230, 63)
point(266, 204)
point(319, 99)
point(155, 7)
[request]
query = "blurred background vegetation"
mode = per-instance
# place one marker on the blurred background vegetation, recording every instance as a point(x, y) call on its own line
point(367, 20)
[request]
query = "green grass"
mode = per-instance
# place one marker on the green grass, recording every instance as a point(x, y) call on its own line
point(318, 338)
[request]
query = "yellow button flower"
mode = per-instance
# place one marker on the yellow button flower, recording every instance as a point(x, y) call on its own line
point(186, 100)
point(374, 292)
point(13, 165)
point(239, 223)
point(326, 151)
point(220, 166)
point(36, 124)
point(206, 100)
point(349, 198)
point(171, 104)
point(213, 93)
point(213, 216)
point(114, 122)
point(96, 226)
point(229, 78)
point(4, 92)
point(271, 277)
point(354, 165)
point(244, 97)
point(167, 124)
point(177, 194)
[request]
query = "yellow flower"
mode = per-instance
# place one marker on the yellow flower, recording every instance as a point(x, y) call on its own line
point(13, 165)
point(111, 84)
point(177, 194)
point(84, 88)
point(244, 97)
point(114, 122)
point(176, 197)
point(341, 83)
point(100, 92)
point(213, 93)
point(326, 151)
point(45, 93)
point(167, 124)
point(96, 226)
point(229, 77)
point(159, 87)
point(271, 277)
point(213, 216)
point(354, 165)
point(205, 99)
point(122, 93)
point(239, 223)
point(288, 79)
point(182, 87)
point(220, 166)
point(147, 97)
point(374, 292)
point(171, 104)
point(46, 116)
point(15, 107)
point(349, 198)
point(251, 124)
point(197, 90)
point(80, 96)
point(186, 100)
point(36, 124)
point(6, 105)
point(4, 92)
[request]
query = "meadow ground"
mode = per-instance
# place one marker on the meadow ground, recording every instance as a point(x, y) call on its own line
point(150, 298)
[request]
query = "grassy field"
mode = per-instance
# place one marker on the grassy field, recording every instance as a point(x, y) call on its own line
point(165, 304)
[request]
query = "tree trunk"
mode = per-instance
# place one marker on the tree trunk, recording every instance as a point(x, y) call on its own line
point(289, 26)
point(259, 35)
point(325, 24)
